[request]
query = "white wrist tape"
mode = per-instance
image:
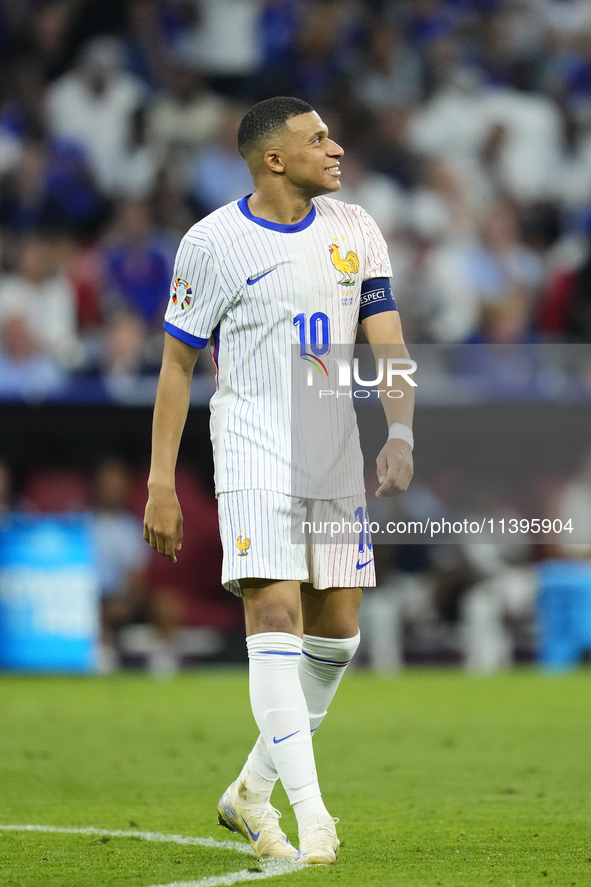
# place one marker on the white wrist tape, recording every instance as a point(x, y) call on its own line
point(397, 429)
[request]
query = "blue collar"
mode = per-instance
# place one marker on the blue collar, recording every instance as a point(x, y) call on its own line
point(275, 226)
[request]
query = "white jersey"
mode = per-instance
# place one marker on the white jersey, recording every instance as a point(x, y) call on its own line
point(259, 291)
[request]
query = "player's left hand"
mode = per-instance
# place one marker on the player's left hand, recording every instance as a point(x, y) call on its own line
point(394, 468)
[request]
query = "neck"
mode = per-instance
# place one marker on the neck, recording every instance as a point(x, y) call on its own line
point(280, 206)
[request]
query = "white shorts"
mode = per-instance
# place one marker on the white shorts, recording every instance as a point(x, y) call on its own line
point(258, 529)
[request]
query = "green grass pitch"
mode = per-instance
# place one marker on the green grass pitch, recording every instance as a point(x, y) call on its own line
point(438, 778)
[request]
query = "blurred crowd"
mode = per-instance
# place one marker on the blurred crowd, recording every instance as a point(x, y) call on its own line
point(467, 131)
point(466, 124)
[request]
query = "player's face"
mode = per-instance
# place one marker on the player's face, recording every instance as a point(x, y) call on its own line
point(311, 158)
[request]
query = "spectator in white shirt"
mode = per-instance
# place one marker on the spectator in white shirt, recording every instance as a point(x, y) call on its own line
point(45, 299)
point(226, 44)
point(187, 117)
point(530, 126)
point(94, 105)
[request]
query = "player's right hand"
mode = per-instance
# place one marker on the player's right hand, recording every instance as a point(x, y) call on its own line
point(163, 523)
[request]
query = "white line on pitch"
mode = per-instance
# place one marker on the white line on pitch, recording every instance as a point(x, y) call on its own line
point(270, 867)
point(144, 836)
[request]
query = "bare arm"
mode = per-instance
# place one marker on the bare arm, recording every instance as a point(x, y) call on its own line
point(163, 521)
point(394, 462)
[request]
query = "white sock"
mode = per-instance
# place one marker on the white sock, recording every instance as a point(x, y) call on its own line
point(280, 710)
point(321, 668)
point(258, 774)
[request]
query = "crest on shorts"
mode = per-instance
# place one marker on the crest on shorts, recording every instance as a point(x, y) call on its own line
point(182, 293)
point(243, 546)
point(347, 266)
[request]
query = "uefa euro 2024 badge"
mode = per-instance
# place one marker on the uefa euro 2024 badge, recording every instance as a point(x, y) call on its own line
point(182, 294)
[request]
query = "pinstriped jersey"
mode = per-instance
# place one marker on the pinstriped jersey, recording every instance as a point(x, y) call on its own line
point(255, 290)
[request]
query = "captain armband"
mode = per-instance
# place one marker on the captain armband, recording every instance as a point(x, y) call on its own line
point(376, 296)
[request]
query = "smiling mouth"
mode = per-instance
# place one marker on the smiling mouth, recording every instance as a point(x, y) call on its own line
point(333, 169)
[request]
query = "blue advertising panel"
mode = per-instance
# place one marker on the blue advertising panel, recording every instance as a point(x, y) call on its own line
point(564, 612)
point(49, 597)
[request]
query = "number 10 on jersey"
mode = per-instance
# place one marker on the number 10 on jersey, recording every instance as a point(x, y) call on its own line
point(318, 333)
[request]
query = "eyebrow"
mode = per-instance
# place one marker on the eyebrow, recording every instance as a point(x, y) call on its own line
point(321, 132)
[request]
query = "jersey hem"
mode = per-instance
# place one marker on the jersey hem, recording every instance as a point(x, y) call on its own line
point(184, 336)
point(360, 492)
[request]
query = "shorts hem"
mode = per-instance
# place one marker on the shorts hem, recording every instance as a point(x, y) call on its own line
point(233, 585)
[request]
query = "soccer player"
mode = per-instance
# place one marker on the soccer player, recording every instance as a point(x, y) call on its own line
point(279, 268)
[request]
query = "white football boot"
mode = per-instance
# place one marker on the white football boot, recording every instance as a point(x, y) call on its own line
point(259, 824)
point(319, 844)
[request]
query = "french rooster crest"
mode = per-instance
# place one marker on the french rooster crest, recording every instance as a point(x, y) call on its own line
point(347, 266)
point(243, 546)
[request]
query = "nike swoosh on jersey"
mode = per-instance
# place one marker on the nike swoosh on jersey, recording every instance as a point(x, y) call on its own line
point(283, 738)
point(360, 566)
point(251, 280)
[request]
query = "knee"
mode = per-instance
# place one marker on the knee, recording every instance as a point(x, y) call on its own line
point(339, 630)
point(270, 617)
point(273, 606)
point(264, 613)
point(338, 626)
point(331, 613)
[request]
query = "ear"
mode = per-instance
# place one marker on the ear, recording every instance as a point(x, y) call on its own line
point(273, 161)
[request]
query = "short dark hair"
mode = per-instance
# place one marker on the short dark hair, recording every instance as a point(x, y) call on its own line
point(266, 118)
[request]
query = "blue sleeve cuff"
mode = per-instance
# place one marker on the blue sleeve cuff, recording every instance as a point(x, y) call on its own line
point(185, 337)
point(376, 296)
